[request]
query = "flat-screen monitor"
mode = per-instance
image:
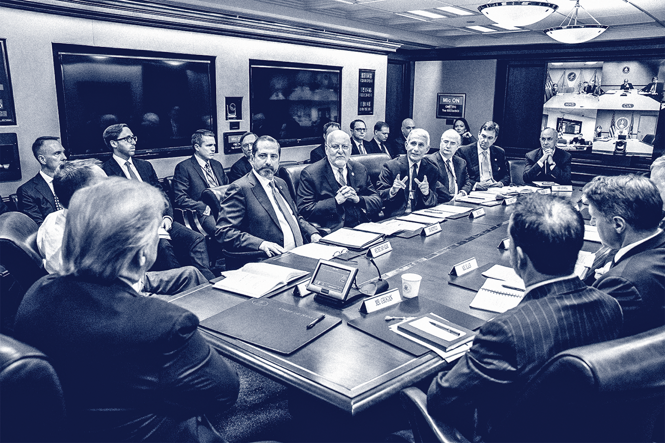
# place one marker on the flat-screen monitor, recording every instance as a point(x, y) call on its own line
point(569, 126)
point(163, 97)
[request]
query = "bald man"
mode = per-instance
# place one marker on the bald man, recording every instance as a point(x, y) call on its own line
point(453, 177)
point(548, 163)
point(399, 143)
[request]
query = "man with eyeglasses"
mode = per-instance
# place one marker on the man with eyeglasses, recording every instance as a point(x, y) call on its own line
point(319, 152)
point(358, 143)
point(177, 243)
point(243, 166)
point(548, 163)
point(337, 192)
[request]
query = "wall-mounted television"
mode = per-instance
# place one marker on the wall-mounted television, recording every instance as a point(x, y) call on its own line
point(291, 102)
point(163, 97)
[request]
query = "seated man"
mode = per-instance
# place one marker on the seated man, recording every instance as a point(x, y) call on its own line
point(548, 163)
point(337, 192)
point(627, 210)
point(243, 166)
point(78, 174)
point(378, 144)
point(133, 368)
point(453, 176)
point(319, 152)
point(408, 183)
point(258, 213)
point(546, 234)
point(626, 85)
point(486, 163)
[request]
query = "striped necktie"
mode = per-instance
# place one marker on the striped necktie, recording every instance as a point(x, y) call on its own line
point(210, 177)
point(293, 224)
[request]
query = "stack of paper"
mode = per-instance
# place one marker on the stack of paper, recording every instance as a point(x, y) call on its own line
point(591, 234)
point(258, 279)
point(318, 251)
point(352, 238)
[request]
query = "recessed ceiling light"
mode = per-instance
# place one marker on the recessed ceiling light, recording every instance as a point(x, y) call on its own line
point(590, 63)
point(348, 2)
point(426, 14)
point(481, 29)
point(506, 27)
point(454, 10)
point(411, 16)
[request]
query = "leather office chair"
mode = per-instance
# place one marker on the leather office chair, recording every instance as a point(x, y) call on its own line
point(373, 163)
point(33, 407)
point(517, 172)
point(291, 175)
point(610, 391)
point(213, 198)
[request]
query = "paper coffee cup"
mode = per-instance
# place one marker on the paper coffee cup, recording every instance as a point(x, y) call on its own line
point(410, 285)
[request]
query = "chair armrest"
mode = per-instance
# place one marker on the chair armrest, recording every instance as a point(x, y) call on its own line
point(322, 231)
point(425, 427)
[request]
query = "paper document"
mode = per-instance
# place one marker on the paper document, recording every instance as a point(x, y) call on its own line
point(496, 296)
point(591, 234)
point(449, 356)
point(452, 209)
point(379, 228)
point(417, 218)
point(351, 238)
point(318, 251)
point(258, 279)
point(505, 274)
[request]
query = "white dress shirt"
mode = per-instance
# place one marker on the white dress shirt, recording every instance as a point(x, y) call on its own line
point(122, 162)
point(289, 239)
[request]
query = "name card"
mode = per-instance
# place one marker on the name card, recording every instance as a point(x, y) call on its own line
point(477, 213)
point(505, 243)
point(464, 267)
point(562, 188)
point(380, 249)
point(510, 201)
point(381, 301)
point(301, 289)
point(431, 229)
point(544, 191)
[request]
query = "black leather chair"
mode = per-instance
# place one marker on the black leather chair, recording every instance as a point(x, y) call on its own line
point(291, 175)
point(373, 163)
point(517, 172)
point(213, 198)
point(33, 407)
point(605, 392)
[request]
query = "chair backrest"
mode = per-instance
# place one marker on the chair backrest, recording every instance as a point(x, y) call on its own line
point(610, 391)
point(517, 172)
point(33, 407)
point(291, 175)
point(167, 186)
point(373, 163)
point(213, 197)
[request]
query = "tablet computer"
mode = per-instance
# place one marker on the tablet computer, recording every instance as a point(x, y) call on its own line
point(332, 279)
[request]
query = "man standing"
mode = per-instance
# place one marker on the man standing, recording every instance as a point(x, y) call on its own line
point(548, 163)
point(337, 192)
point(319, 152)
point(358, 142)
point(243, 166)
point(399, 143)
point(486, 163)
point(36, 197)
point(453, 176)
point(553, 316)
point(258, 213)
point(121, 140)
point(408, 183)
point(378, 143)
point(196, 174)
point(627, 210)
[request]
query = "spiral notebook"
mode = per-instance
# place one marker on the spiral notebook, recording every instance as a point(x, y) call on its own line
point(496, 296)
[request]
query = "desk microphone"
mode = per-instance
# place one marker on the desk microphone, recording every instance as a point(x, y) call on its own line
point(377, 287)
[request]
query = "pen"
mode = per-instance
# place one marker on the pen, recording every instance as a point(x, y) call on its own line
point(455, 333)
point(316, 320)
point(514, 288)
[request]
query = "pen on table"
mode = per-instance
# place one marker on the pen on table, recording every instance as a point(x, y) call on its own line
point(455, 333)
point(316, 320)
point(514, 288)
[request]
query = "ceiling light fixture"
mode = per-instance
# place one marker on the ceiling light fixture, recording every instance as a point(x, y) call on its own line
point(573, 33)
point(426, 14)
point(411, 16)
point(517, 13)
point(481, 29)
point(453, 10)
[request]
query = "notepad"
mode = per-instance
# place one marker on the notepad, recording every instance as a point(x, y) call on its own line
point(351, 238)
point(494, 296)
point(258, 279)
point(437, 331)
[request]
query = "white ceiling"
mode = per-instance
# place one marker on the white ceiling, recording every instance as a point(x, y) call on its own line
point(628, 19)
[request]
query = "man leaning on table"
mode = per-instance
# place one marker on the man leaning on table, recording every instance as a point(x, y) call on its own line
point(553, 316)
point(548, 163)
point(453, 176)
point(486, 163)
point(258, 213)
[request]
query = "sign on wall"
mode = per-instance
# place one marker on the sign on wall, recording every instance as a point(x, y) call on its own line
point(450, 105)
point(366, 91)
point(7, 116)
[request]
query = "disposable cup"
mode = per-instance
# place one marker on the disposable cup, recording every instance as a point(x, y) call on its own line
point(410, 285)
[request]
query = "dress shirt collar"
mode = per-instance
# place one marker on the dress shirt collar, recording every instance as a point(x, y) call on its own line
point(122, 162)
point(446, 159)
point(47, 178)
point(411, 165)
point(336, 169)
point(623, 251)
point(200, 161)
point(547, 282)
point(264, 181)
point(480, 151)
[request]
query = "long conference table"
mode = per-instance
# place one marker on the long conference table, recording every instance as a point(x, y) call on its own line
point(347, 367)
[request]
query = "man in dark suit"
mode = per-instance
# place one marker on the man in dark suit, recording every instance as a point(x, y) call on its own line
point(453, 176)
point(337, 192)
point(492, 170)
point(627, 210)
point(399, 143)
point(358, 143)
point(626, 86)
point(258, 213)
point(548, 163)
point(175, 239)
point(408, 183)
point(243, 166)
point(196, 174)
point(378, 144)
point(36, 197)
point(553, 316)
point(319, 152)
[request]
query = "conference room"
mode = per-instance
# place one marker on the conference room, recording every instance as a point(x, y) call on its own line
point(167, 70)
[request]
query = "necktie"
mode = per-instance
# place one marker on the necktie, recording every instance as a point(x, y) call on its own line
point(287, 214)
point(340, 177)
point(361, 148)
point(486, 166)
point(451, 178)
point(210, 177)
point(58, 206)
point(383, 147)
point(412, 193)
point(132, 176)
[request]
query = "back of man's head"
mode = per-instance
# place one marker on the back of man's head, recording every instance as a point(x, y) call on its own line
point(549, 230)
point(327, 126)
point(74, 175)
point(112, 133)
point(634, 198)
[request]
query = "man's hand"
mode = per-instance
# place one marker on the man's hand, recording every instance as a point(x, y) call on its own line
point(315, 238)
point(398, 184)
point(346, 193)
point(271, 248)
point(167, 223)
point(482, 186)
point(423, 185)
point(207, 211)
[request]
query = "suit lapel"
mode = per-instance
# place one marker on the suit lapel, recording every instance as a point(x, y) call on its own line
point(218, 171)
point(262, 197)
point(457, 165)
point(656, 242)
point(443, 172)
point(142, 170)
point(330, 176)
point(199, 171)
point(351, 176)
point(45, 190)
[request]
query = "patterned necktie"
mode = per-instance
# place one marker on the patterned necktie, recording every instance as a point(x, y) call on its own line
point(487, 169)
point(451, 178)
point(132, 176)
point(293, 224)
point(210, 177)
point(340, 177)
point(58, 206)
point(361, 148)
point(412, 192)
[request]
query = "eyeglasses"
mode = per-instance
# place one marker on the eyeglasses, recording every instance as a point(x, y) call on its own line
point(338, 147)
point(128, 139)
point(360, 129)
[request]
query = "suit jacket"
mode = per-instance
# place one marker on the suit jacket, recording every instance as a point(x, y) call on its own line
point(247, 217)
point(317, 153)
point(189, 183)
point(461, 176)
point(637, 281)
point(35, 199)
point(374, 148)
point(133, 367)
point(509, 350)
point(397, 205)
point(145, 170)
point(317, 190)
point(239, 168)
point(560, 174)
point(500, 168)
point(397, 145)
point(354, 147)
